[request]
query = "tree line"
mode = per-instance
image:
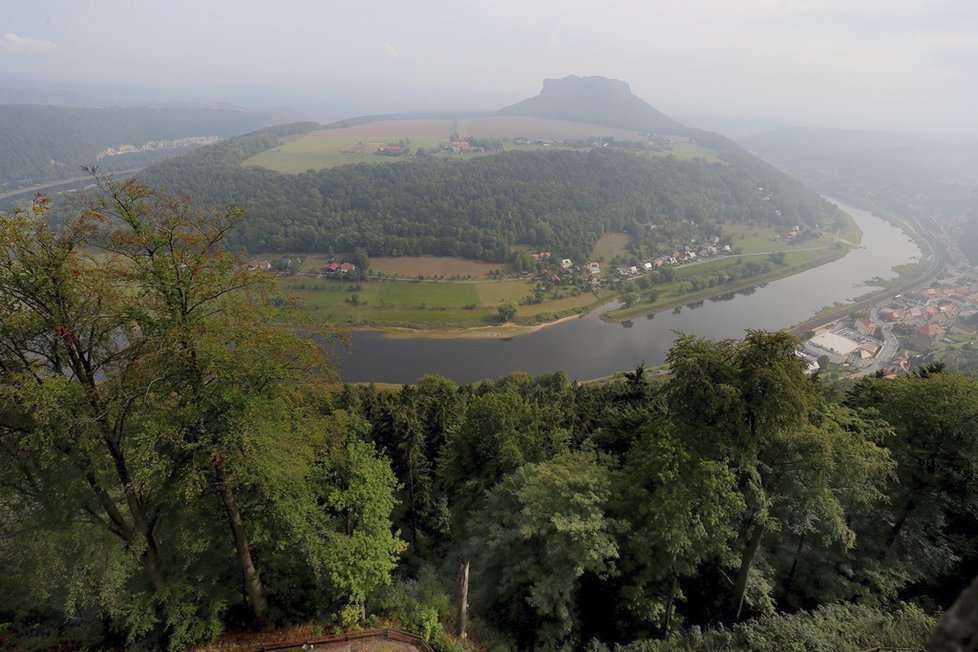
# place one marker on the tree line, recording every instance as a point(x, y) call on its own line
point(484, 208)
point(177, 461)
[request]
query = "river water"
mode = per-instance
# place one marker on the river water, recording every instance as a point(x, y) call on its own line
point(588, 347)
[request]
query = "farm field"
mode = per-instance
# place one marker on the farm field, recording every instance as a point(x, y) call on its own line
point(425, 304)
point(430, 266)
point(356, 144)
point(500, 292)
point(391, 302)
point(688, 152)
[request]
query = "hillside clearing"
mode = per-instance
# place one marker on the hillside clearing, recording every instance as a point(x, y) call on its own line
point(609, 246)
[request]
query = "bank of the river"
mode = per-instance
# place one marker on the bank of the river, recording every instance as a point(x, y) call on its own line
point(795, 261)
point(498, 331)
point(588, 347)
point(378, 308)
point(913, 230)
point(676, 297)
point(909, 275)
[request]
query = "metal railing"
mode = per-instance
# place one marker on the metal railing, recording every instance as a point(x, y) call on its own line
point(398, 635)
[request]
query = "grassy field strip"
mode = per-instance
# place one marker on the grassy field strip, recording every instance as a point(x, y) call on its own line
point(430, 266)
point(356, 144)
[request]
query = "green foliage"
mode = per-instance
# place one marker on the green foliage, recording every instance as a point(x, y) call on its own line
point(826, 629)
point(562, 201)
point(680, 510)
point(801, 465)
point(419, 604)
point(507, 312)
point(500, 432)
point(159, 423)
point(359, 551)
point(189, 469)
point(933, 507)
point(546, 526)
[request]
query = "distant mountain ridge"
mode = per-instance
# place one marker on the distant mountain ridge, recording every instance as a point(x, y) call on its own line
point(41, 143)
point(596, 100)
point(590, 100)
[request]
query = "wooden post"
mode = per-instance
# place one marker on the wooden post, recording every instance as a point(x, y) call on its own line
point(463, 598)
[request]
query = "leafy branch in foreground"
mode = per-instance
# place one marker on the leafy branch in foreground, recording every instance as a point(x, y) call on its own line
point(151, 392)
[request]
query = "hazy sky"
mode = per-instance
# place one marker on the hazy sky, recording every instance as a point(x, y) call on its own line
point(855, 63)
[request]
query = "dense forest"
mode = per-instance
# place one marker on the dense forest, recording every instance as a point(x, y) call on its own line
point(482, 208)
point(176, 463)
point(43, 143)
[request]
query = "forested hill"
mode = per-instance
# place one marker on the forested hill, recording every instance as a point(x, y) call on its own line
point(482, 207)
point(41, 143)
point(595, 100)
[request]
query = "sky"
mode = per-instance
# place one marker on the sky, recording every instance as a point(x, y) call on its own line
point(886, 64)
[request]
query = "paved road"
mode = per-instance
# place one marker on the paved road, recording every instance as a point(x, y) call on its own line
point(890, 345)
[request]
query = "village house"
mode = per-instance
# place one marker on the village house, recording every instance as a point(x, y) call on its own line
point(925, 336)
point(864, 355)
point(262, 265)
point(338, 268)
point(864, 326)
point(593, 268)
point(566, 263)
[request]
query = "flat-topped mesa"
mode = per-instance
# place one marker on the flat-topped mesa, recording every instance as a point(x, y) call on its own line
point(596, 100)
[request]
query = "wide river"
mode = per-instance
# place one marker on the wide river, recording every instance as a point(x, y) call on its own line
point(588, 347)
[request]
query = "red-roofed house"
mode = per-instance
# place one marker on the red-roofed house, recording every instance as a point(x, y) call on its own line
point(927, 334)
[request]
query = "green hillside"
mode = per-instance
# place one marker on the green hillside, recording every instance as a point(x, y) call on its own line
point(42, 143)
point(560, 195)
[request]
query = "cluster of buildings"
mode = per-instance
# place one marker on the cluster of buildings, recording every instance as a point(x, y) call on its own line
point(855, 347)
point(684, 254)
point(934, 312)
point(259, 265)
point(332, 269)
point(335, 268)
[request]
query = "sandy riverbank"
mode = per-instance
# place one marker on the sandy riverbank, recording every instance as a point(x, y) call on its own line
point(501, 331)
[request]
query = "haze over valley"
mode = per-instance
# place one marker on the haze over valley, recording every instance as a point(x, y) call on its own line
point(513, 325)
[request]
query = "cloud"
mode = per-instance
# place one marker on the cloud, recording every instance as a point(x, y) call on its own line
point(10, 42)
point(391, 51)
